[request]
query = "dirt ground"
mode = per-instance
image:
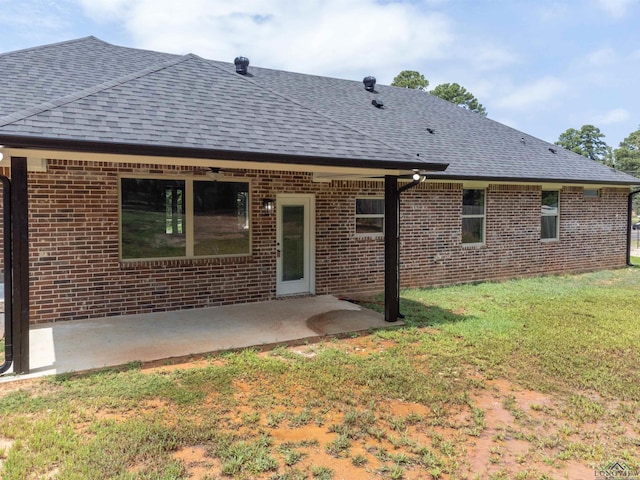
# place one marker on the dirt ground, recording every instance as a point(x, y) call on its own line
point(513, 443)
point(508, 446)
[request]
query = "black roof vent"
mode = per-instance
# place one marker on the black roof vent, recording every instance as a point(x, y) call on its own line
point(369, 83)
point(242, 64)
point(553, 150)
point(431, 130)
point(377, 103)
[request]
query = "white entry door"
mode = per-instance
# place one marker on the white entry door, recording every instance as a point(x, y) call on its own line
point(295, 249)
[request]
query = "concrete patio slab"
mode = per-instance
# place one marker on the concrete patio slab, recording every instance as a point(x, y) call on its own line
point(76, 346)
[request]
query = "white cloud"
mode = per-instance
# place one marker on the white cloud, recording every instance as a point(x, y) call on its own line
point(32, 14)
point(616, 115)
point(30, 22)
point(615, 8)
point(488, 56)
point(552, 11)
point(601, 57)
point(536, 93)
point(103, 10)
point(327, 37)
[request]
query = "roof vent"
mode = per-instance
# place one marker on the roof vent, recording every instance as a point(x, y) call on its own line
point(431, 130)
point(553, 150)
point(369, 83)
point(242, 64)
point(378, 103)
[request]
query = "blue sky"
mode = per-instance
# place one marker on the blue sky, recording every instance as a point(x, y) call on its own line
point(538, 66)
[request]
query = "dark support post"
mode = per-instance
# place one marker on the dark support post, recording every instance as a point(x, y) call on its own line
point(20, 240)
point(391, 249)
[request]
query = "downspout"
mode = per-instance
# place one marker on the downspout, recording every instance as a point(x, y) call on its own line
point(629, 217)
point(8, 277)
point(417, 180)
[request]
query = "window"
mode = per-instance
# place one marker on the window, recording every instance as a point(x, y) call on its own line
point(591, 193)
point(473, 216)
point(183, 218)
point(549, 212)
point(369, 216)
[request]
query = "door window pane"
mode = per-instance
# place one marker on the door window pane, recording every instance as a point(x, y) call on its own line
point(292, 242)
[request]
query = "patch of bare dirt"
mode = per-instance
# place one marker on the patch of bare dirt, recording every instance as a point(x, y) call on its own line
point(500, 433)
point(514, 417)
point(198, 464)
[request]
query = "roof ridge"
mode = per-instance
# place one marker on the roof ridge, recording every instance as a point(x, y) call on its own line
point(40, 108)
point(55, 44)
point(214, 63)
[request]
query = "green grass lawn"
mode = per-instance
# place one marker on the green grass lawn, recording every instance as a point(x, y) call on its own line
point(399, 403)
point(548, 333)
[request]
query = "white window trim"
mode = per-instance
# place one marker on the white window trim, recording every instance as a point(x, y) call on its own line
point(367, 215)
point(476, 215)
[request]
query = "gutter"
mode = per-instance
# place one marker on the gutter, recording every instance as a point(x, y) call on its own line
point(120, 148)
point(527, 180)
point(8, 270)
point(629, 212)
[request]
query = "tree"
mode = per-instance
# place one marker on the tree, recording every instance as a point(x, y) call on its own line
point(410, 79)
point(627, 159)
point(627, 155)
point(454, 93)
point(451, 92)
point(588, 141)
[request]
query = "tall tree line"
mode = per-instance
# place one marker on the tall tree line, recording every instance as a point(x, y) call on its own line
point(589, 142)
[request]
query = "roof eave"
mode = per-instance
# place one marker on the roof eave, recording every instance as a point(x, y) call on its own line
point(532, 180)
point(117, 148)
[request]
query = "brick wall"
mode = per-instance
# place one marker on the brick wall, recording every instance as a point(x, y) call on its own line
point(74, 239)
point(592, 235)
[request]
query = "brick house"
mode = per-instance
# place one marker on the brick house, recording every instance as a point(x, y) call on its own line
point(160, 182)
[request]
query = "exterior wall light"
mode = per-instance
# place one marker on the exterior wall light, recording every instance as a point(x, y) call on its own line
point(269, 206)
